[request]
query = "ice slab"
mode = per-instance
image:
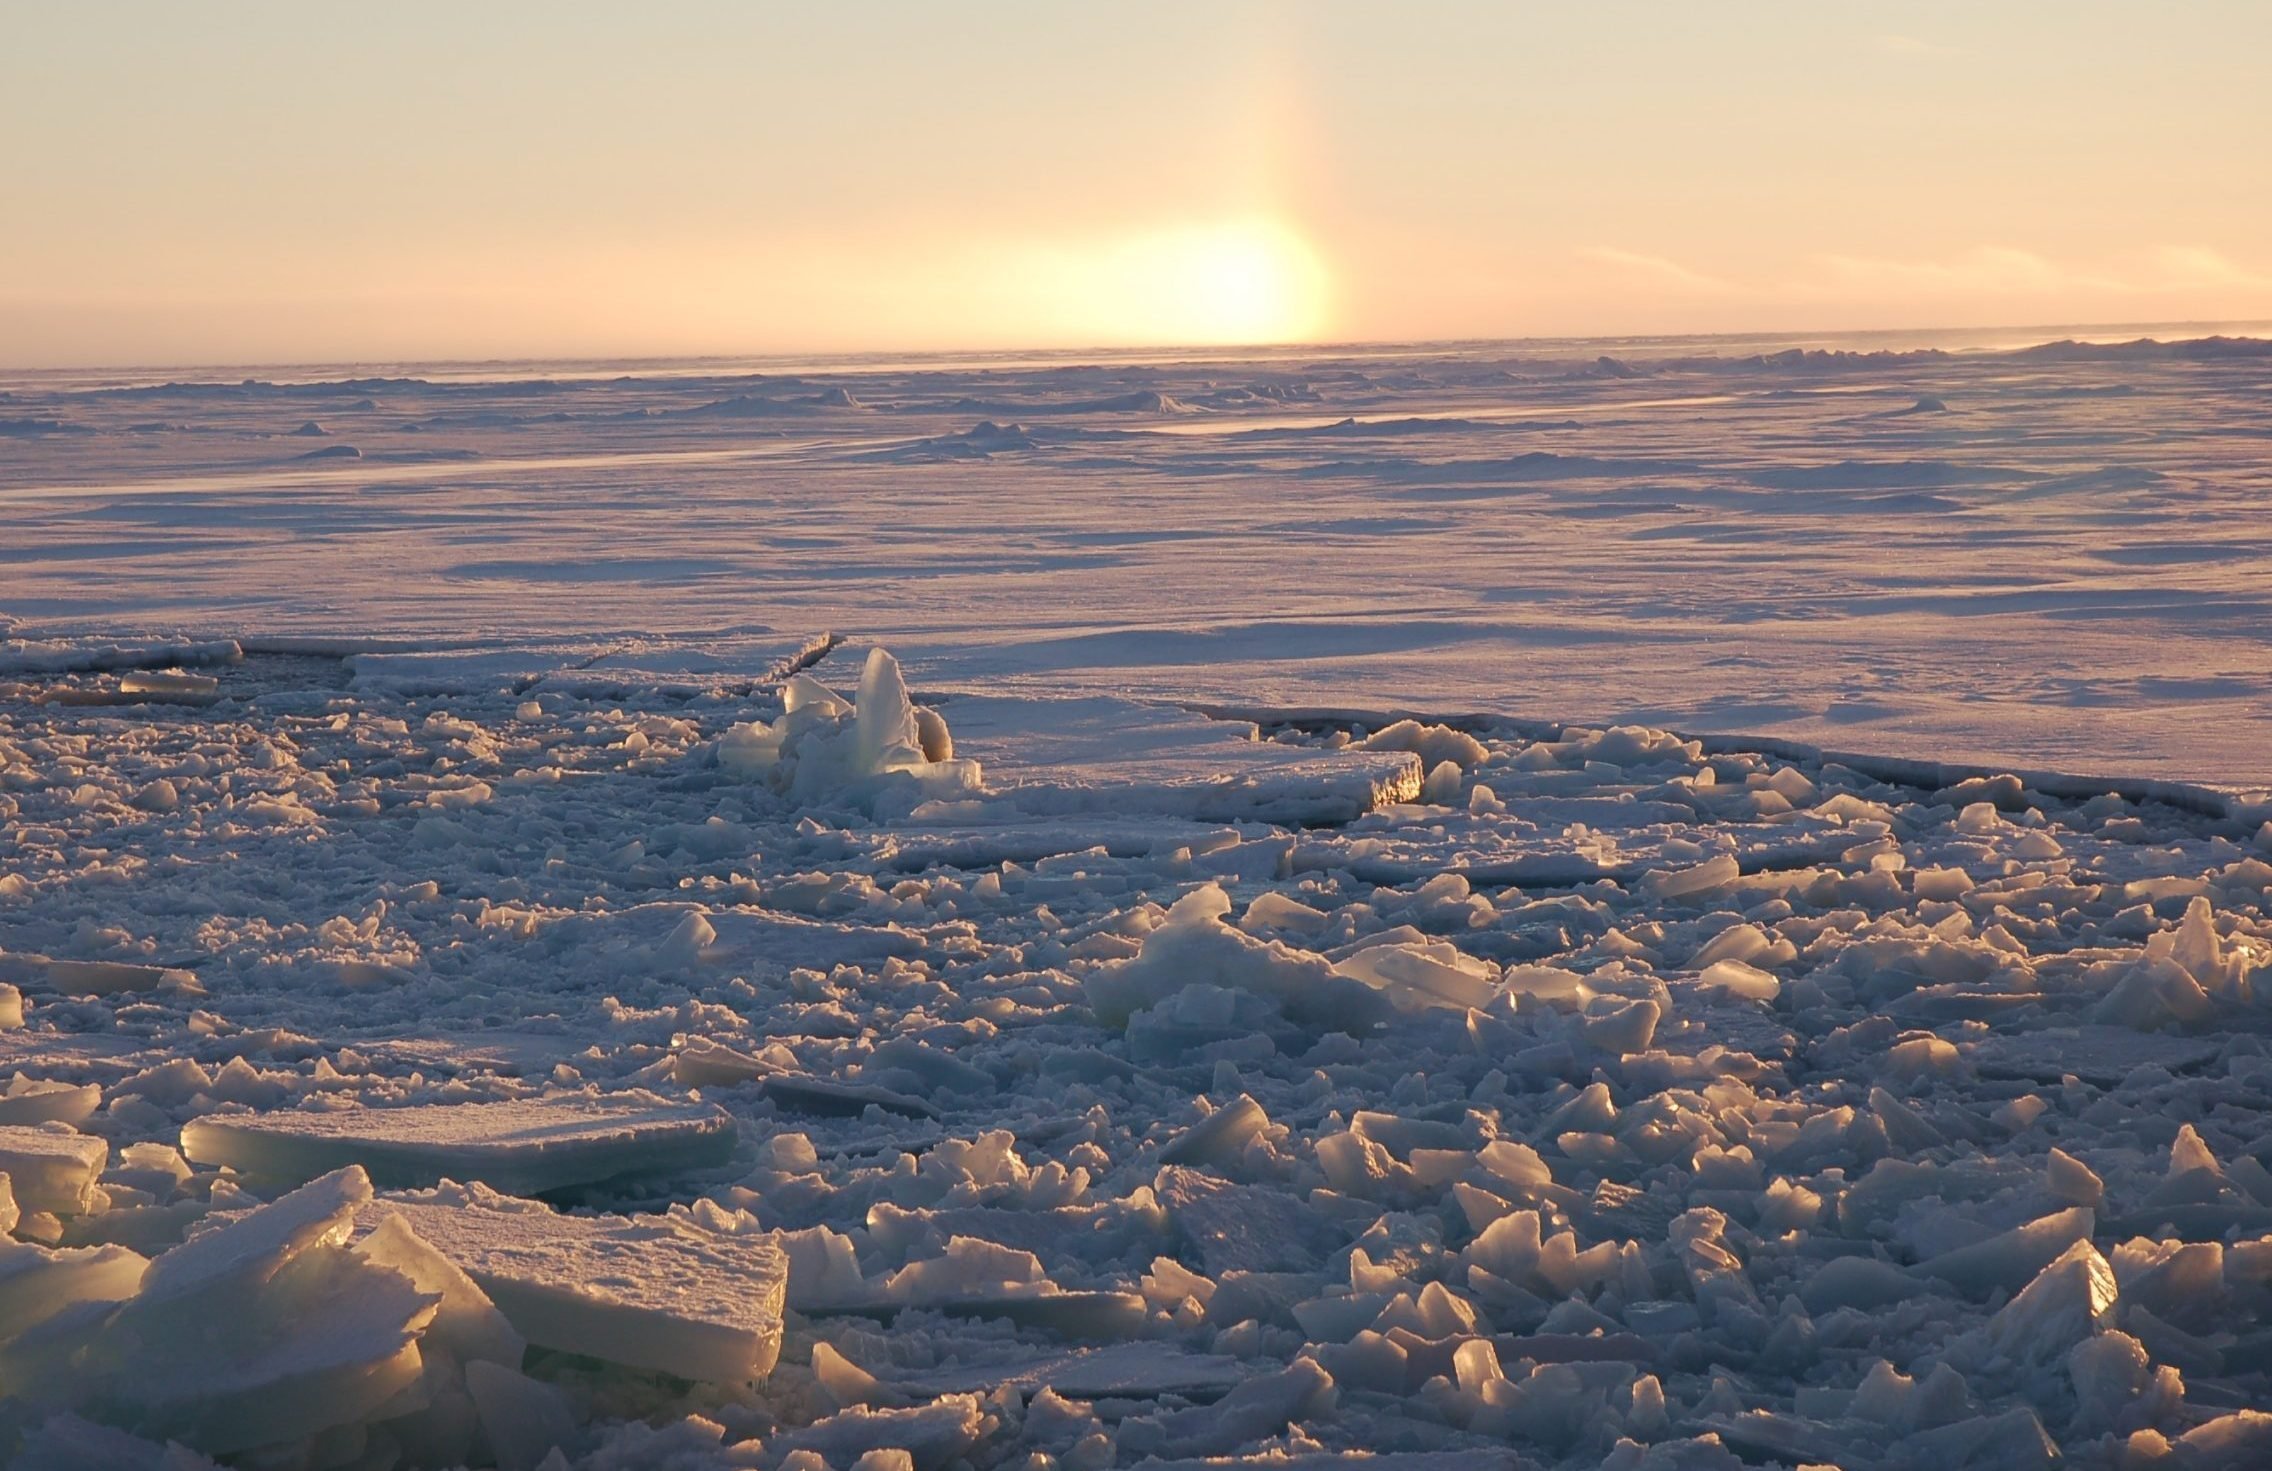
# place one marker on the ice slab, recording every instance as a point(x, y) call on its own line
point(1264, 1405)
point(454, 1054)
point(1078, 1316)
point(1243, 1228)
point(2097, 1054)
point(651, 1292)
point(523, 1146)
point(703, 1063)
point(30, 1101)
point(62, 656)
point(993, 836)
point(1103, 754)
point(52, 1167)
point(1120, 1370)
point(89, 977)
point(1480, 1458)
point(466, 671)
point(730, 663)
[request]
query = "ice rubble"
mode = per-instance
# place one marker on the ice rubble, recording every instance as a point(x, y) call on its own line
point(1800, 1117)
point(877, 748)
point(1038, 774)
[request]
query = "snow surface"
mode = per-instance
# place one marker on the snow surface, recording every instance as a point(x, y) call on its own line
point(1157, 1024)
point(2064, 569)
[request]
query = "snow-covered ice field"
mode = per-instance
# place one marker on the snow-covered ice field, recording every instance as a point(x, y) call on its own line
point(497, 967)
point(2054, 556)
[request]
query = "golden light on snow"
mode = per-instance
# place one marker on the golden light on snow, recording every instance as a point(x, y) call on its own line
point(1213, 284)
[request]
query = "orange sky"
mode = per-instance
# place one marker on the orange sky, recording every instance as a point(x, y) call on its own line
point(275, 183)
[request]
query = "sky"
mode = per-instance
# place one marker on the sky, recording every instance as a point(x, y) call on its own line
point(254, 183)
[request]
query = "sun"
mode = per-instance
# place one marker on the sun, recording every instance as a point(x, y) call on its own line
point(1241, 283)
point(1233, 283)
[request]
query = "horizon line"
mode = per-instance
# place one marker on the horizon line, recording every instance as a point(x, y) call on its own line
point(854, 359)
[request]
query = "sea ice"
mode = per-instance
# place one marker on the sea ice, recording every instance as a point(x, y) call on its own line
point(256, 1332)
point(1102, 755)
point(525, 1146)
point(30, 1101)
point(51, 1167)
point(652, 1292)
point(1593, 1095)
point(867, 751)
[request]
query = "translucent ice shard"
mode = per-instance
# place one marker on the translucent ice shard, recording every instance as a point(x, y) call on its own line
point(2069, 1300)
point(262, 1330)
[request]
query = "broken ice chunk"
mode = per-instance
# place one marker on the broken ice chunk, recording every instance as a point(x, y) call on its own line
point(31, 1102)
point(1194, 947)
point(1106, 754)
point(2068, 1178)
point(2012, 1258)
point(466, 1323)
point(869, 752)
point(52, 1167)
point(703, 1063)
point(524, 1146)
point(264, 1329)
point(2241, 1438)
point(1855, 1282)
point(2069, 1301)
point(967, 1268)
point(1426, 974)
point(1220, 1137)
point(68, 1443)
point(652, 1292)
point(1241, 1228)
point(1260, 1407)
point(525, 1421)
point(1271, 910)
point(36, 1283)
point(1706, 878)
point(1471, 1458)
point(932, 1436)
point(1120, 1370)
point(2108, 1371)
point(1738, 981)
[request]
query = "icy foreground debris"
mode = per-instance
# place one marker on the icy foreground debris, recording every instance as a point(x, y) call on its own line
point(1809, 1151)
point(652, 1292)
point(52, 1167)
point(256, 1333)
point(1199, 975)
point(870, 751)
point(2068, 1301)
point(523, 1146)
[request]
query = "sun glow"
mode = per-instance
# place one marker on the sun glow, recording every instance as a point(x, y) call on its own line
point(1220, 284)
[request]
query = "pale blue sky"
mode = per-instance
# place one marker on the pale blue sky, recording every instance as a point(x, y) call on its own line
point(242, 182)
